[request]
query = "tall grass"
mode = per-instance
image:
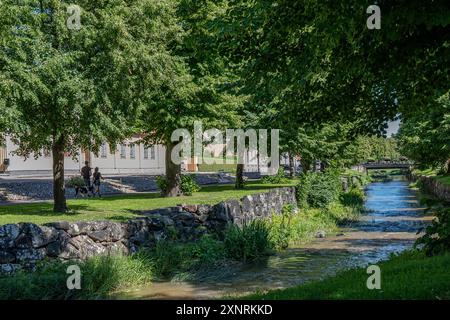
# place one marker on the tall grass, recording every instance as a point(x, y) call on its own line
point(100, 276)
point(248, 242)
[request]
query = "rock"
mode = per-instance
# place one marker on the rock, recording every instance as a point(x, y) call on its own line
point(203, 212)
point(221, 212)
point(30, 255)
point(39, 236)
point(320, 234)
point(182, 216)
point(85, 248)
point(247, 205)
point(116, 248)
point(10, 231)
point(9, 268)
point(8, 235)
point(6, 257)
point(192, 208)
point(63, 225)
point(100, 235)
point(68, 251)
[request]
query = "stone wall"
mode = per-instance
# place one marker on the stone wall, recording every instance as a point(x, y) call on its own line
point(22, 245)
point(434, 187)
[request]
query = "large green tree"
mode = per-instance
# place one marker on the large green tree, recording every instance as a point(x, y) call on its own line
point(425, 136)
point(317, 61)
point(68, 86)
point(205, 90)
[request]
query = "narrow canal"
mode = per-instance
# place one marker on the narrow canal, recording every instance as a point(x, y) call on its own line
point(393, 218)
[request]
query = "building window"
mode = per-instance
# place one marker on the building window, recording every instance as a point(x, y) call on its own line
point(132, 151)
point(123, 151)
point(152, 153)
point(103, 151)
point(146, 152)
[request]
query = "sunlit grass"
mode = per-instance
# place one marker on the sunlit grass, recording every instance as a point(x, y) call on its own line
point(408, 276)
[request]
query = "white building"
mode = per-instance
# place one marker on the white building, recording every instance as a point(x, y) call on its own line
point(128, 158)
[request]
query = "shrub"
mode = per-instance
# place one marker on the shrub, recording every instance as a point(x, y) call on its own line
point(318, 190)
point(249, 242)
point(188, 184)
point(161, 182)
point(280, 177)
point(75, 182)
point(208, 251)
point(168, 257)
point(353, 198)
point(100, 277)
point(281, 227)
point(436, 239)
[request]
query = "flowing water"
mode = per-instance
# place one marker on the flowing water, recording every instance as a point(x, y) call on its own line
point(390, 226)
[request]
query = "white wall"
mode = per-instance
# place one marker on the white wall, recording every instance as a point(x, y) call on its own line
point(31, 164)
point(112, 164)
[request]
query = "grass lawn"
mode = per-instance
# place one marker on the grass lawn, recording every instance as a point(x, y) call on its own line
point(123, 207)
point(408, 276)
point(444, 179)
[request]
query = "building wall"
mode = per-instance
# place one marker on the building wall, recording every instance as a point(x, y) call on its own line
point(109, 163)
point(43, 163)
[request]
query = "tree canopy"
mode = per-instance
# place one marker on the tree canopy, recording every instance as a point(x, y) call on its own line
point(65, 88)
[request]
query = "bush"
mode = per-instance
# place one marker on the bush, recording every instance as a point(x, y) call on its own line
point(436, 239)
point(318, 190)
point(75, 182)
point(208, 251)
point(100, 277)
point(249, 242)
point(168, 257)
point(281, 227)
point(353, 198)
point(280, 177)
point(161, 182)
point(188, 184)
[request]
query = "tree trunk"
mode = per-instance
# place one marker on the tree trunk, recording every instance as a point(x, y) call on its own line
point(291, 166)
point(306, 165)
point(59, 192)
point(173, 174)
point(239, 176)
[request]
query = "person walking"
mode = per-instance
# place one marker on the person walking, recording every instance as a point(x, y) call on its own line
point(97, 182)
point(86, 173)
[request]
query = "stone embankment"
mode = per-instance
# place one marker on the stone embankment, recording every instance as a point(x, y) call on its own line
point(22, 245)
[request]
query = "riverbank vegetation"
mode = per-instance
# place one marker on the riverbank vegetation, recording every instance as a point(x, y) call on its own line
point(410, 275)
point(421, 273)
point(415, 274)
